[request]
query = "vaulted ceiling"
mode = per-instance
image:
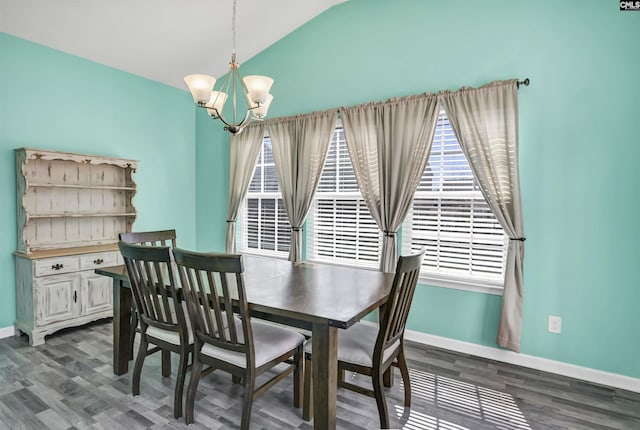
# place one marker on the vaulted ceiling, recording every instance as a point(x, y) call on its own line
point(162, 40)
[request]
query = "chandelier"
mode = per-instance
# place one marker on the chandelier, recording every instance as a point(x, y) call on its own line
point(255, 89)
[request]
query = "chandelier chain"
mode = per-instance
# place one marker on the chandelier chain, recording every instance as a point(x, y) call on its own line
point(233, 25)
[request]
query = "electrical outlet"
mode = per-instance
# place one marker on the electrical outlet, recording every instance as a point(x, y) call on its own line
point(554, 324)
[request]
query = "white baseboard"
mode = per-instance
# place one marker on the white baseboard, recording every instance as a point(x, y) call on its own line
point(7, 331)
point(530, 361)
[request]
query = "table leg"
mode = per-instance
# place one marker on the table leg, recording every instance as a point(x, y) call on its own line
point(121, 327)
point(325, 375)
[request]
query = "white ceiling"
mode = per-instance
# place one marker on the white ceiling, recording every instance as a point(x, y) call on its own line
point(162, 40)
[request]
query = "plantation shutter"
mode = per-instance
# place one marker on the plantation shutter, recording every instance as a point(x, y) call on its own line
point(341, 228)
point(265, 227)
point(451, 219)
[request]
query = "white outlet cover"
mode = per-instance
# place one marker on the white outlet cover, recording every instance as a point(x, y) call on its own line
point(554, 324)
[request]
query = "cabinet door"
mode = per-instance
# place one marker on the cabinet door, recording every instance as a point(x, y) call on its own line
point(56, 298)
point(97, 293)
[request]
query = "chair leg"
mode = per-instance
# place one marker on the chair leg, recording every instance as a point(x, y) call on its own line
point(298, 374)
point(307, 400)
point(132, 333)
point(249, 387)
point(137, 369)
point(196, 369)
point(166, 362)
point(404, 371)
point(378, 390)
point(182, 371)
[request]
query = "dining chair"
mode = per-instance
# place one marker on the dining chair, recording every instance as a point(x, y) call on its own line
point(148, 238)
point(161, 310)
point(370, 350)
point(213, 285)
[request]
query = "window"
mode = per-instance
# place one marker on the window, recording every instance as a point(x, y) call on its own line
point(264, 227)
point(465, 245)
point(341, 229)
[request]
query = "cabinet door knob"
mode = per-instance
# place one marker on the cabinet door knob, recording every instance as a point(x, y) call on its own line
point(98, 261)
point(57, 266)
point(75, 297)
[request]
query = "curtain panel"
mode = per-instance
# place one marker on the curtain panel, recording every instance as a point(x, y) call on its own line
point(244, 149)
point(300, 146)
point(389, 143)
point(485, 121)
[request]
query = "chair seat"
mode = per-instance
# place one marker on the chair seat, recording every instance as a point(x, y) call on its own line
point(172, 336)
point(356, 344)
point(269, 342)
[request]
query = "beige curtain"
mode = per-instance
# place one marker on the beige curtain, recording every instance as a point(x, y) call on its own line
point(300, 147)
point(389, 143)
point(243, 154)
point(485, 121)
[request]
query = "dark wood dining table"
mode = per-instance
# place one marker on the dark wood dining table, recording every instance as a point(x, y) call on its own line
point(321, 297)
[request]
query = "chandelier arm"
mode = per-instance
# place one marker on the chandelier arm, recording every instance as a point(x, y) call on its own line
point(235, 76)
point(218, 114)
point(233, 127)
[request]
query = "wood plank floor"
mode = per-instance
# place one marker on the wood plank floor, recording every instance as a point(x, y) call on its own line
point(68, 384)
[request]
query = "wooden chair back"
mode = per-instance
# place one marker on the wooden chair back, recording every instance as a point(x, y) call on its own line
point(150, 238)
point(154, 286)
point(214, 289)
point(394, 319)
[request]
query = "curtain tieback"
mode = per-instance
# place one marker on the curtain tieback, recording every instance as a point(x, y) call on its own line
point(296, 228)
point(390, 233)
point(231, 220)
point(521, 239)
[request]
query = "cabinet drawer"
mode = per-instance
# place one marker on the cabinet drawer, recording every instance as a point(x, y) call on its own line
point(56, 265)
point(99, 259)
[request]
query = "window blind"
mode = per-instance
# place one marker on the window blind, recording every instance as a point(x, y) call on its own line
point(264, 227)
point(341, 228)
point(450, 218)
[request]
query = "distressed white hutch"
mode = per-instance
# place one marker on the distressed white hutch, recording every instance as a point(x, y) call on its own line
point(71, 208)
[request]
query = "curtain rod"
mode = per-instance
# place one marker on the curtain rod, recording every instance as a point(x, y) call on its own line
point(524, 82)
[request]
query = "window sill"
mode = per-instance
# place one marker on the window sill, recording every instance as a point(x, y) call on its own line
point(264, 253)
point(333, 263)
point(465, 285)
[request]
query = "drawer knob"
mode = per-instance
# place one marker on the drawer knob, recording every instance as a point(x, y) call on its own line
point(98, 261)
point(57, 266)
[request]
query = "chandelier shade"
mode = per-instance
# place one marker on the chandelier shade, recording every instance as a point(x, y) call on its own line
point(257, 88)
point(254, 87)
point(216, 103)
point(260, 111)
point(200, 87)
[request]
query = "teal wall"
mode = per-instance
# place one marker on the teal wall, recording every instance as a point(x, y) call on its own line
point(212, 165)
point(52, 100)
point(579, 146)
